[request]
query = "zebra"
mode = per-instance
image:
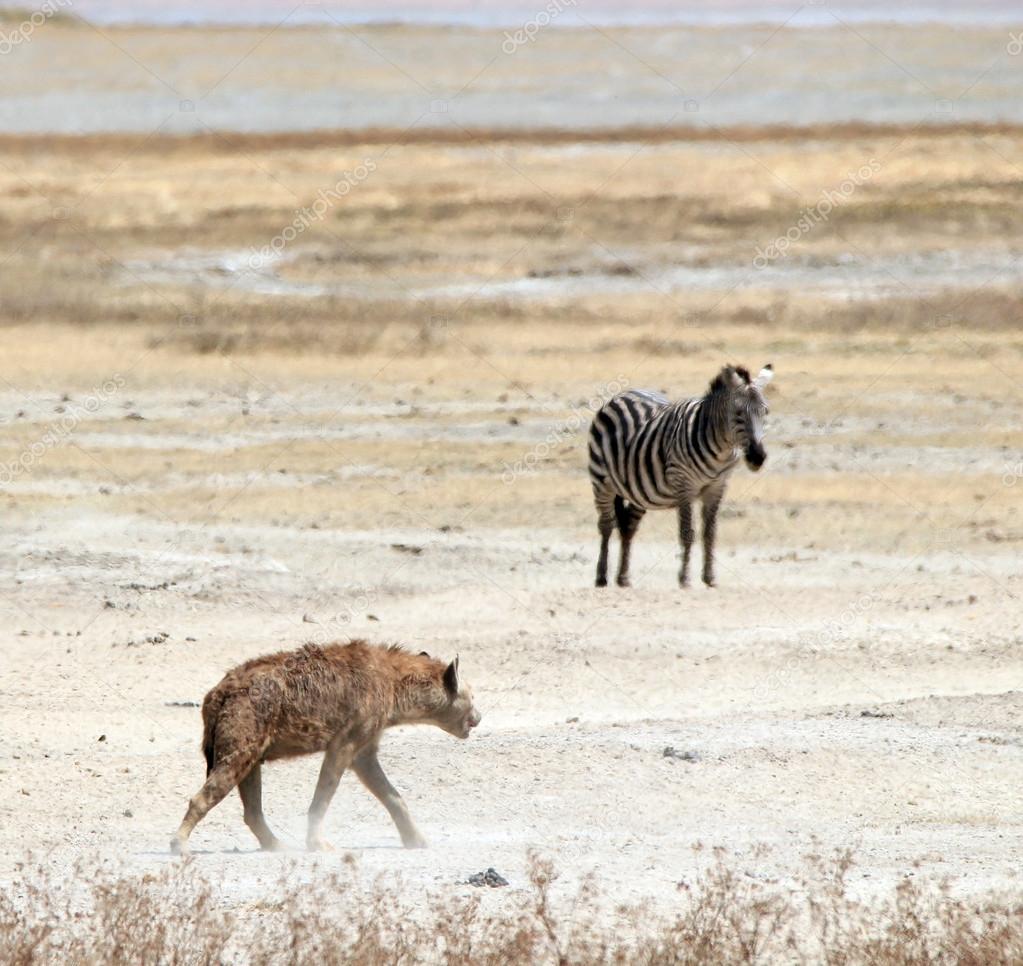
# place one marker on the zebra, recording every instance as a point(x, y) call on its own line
point(648, 453)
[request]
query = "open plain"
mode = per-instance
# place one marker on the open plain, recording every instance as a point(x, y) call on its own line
point(220, 440)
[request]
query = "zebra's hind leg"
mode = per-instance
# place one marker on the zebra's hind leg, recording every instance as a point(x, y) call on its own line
point(606, 526)
point(628, 517)
point(686, 537)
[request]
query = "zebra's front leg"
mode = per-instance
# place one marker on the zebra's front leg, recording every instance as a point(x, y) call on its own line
point(606, 526)
point(686, 537)
point(628, 525)
point(711, 502)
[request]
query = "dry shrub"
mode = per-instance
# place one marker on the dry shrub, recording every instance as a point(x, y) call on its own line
point(93, 916)
point(923, 924)
point(97, 916)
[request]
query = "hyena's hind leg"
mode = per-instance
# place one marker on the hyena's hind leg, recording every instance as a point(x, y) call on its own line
point(605, 503)
point(227, 773)
point(235, 741)
point(627, 517)
point(251, 790)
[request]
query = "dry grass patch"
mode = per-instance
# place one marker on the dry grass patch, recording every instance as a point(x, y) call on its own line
point(175, 917)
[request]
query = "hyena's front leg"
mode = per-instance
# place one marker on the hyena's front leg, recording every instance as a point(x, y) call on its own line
point(335, 761)
point(367, 767)
point(711, 502)
point(686, 537)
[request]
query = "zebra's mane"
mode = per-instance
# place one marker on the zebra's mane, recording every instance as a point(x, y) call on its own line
point(719, 380)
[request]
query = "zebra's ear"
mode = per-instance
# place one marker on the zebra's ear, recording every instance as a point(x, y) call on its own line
point(764, 376)
point(731, 377)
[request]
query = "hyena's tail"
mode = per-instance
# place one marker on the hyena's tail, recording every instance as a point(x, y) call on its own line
point(210, 712)
point(207, 748)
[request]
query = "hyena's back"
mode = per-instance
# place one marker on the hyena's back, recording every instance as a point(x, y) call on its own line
point(294, 702)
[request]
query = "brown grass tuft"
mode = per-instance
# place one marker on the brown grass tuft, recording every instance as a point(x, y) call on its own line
point(727, 917)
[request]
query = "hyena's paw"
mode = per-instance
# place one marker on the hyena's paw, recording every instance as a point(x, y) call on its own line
point(179, 846)
point(319, 845)
point(414, 841)
point(274, 845)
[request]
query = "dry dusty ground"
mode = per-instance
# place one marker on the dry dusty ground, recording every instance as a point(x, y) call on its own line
point(196, 472)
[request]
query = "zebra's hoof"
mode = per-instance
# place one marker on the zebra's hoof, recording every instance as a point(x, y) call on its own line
point(683, 582)
point(624, 582)
point(710, 583)
point(601, 582)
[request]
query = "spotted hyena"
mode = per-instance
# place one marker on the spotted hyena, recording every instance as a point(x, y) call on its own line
point(337, 699)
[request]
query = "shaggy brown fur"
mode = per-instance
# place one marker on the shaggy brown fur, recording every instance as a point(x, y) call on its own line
point(337, 699)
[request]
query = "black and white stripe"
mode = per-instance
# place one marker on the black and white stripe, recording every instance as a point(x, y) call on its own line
point(649, 453)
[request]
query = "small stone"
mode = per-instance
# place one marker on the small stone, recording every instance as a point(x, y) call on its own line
point(491, 878)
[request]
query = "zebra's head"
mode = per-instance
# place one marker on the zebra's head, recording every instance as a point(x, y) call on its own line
point(747, 409)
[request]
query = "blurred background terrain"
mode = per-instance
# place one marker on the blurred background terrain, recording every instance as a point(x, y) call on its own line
point(304, 318)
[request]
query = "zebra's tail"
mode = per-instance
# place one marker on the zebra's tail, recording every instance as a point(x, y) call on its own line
point(621, 513)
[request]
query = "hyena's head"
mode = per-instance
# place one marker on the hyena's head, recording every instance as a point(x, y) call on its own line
point(747, 409)
point(451, 704)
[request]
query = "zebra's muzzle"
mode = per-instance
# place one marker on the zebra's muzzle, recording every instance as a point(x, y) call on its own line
point(755, 457)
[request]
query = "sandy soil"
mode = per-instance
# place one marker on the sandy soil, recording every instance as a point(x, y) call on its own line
point(173, 507)
point(833, 693)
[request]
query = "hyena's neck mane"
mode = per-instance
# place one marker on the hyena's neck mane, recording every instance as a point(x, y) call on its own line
point(418, 685)
point(407, 687)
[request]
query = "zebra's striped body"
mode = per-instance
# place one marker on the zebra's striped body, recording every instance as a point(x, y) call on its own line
point(647, 453)
point(654, 453)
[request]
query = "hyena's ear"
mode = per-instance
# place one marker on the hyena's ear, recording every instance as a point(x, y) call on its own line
point(764, 376)
point(451, 677)
point(424, 654)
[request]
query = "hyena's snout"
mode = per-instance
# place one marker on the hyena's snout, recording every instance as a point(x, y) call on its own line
point(464, 725)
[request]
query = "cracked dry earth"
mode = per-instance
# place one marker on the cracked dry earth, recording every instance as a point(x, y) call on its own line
point(854, 681)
